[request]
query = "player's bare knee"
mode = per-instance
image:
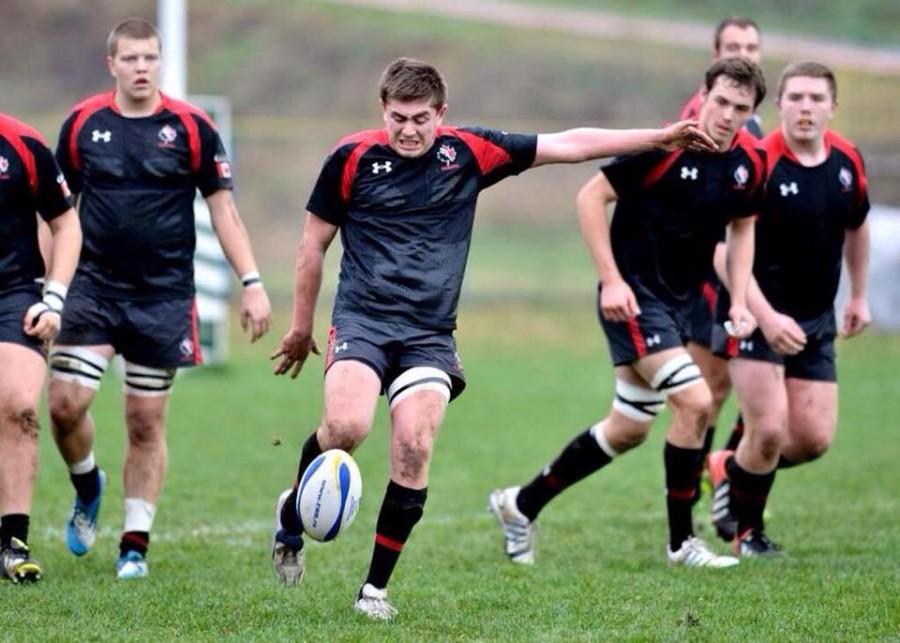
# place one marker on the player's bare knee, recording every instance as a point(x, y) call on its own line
point(66, 412)
point(23, 419)
point(412, 456)
point(144, 428)
point(815, 447)
point(344, 433)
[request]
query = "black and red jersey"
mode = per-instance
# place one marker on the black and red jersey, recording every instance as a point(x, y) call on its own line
point(691, 109)
point(137, 178)
point(30, 182)
point(800, 233)
point(672, 210)
point(406, 223)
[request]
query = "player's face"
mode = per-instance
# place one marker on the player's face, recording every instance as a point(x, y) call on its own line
point(412, 126)
point(740, 42)
point(726, 107)
point(805, 107)
point(136, 69)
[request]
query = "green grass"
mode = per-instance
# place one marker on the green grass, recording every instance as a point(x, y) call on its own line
point(536, 376)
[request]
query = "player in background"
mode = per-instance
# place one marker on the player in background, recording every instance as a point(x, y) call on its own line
point(403, 197)
point(784, 375)
point(30, 184)
point(136, 158)
point(672, 209)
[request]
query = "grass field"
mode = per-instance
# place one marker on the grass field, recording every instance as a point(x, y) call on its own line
point(536, 376)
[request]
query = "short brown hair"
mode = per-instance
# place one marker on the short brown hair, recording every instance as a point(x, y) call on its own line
point(732, 21)
point(809, 69)
point(740, 70)
point(133, 29)
point(408, 79)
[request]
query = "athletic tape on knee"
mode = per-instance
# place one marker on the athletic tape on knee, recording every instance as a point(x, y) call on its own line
point(78, 365)
point(138, 514)
point(638, 402)
point(145, 381)
point(419, 378)
point(602, 442)
point(678, 373)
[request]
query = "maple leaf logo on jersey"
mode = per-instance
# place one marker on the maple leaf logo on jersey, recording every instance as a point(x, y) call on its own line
point(845, 176)
point(741, 176)
point(167, 135)
point(4, 166)
point(447, 155)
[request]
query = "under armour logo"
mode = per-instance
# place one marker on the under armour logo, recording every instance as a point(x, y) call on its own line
point(97, 136)
point(746, 345)
point(377, 167)
point(655, 339)
point(343, 345)
point(789, 188)
point(691, 173)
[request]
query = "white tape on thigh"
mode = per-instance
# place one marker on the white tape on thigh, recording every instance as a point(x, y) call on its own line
point(676, 374)
point(145, 381)
point(637, 402)
point(418, 378)
point(78, 365)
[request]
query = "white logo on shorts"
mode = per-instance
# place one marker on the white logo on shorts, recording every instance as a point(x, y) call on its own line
point(186, 347)
point(746, 345)
point(654, 340)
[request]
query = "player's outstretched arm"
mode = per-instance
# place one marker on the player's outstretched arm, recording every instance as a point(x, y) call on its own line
point(617, 300)
point(256, 311)
point(856, 253)
point(586, 143)
point(43, 319)
point(298, 343)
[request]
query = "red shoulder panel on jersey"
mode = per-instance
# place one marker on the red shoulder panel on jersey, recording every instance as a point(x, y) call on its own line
point(363, 141)
point(13, 130)
point(85, 109)
point(658, 170)
point(691, 108)
point(489, 155)
point(751, 147)
point(835, 140)
point(775, 148)
point(186, 112)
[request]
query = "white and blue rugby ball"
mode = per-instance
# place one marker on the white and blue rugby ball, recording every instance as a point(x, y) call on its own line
point(330, 493)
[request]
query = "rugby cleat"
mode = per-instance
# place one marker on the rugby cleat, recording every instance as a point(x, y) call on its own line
point(81, 530)
point(696, 553)
point(518, 531)
point(131, 564)
point(373, 602)
point(722, 518)
point(287, 549)
point(17, 565)
point(754, 543)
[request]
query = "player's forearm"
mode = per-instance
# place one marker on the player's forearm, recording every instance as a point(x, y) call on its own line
point(739, 259)
point(591, 204)
point(586, 143)
point(307, 283)
point(856, 253)
point(756, 300)
point(65, 247)
point(232, 235)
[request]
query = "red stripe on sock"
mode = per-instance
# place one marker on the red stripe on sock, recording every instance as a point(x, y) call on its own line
point(389, 543)
point(682, 494)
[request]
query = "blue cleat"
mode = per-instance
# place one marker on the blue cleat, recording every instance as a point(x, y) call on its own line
point(131, 565)
point(81, 530)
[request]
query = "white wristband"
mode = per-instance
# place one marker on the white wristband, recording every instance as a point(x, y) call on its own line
point(55, 295)
point(251, 278)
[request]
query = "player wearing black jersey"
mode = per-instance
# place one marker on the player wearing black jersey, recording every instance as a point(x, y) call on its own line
point(30, 184)
point(735, 36)
point(784, 374)
point(136, 159)
point(403, 198)
point(672, 209)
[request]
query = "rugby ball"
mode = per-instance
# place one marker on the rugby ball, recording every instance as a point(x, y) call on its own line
point(330, 493)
